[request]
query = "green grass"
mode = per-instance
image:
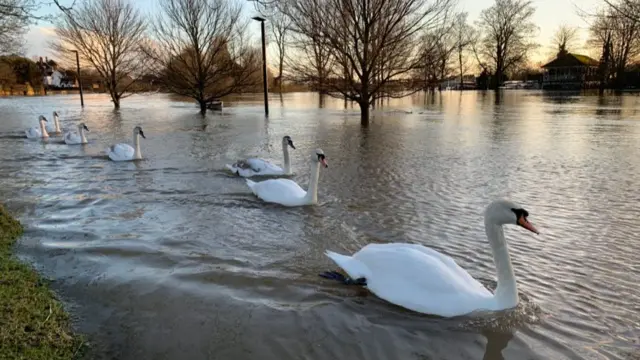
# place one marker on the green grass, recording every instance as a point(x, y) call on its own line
point(33, 324)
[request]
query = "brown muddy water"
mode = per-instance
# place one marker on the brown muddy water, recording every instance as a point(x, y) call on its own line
point(173, 258)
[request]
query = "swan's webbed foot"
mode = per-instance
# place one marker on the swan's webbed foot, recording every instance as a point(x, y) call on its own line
point(334, 275)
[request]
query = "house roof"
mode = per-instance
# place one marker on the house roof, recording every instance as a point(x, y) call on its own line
point(570, 60)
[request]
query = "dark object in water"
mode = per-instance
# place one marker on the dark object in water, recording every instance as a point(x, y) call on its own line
point(334, 275)
point(215, 105)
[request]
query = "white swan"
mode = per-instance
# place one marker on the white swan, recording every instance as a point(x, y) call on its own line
point(55, 127)
point(253, 166)
point(421, 279)
point(287, 192)
point(34, 132)
point(124, 152)
point(75, 138)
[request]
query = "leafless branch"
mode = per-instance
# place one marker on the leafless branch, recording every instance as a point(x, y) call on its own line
point(565, 38)
point(279, 26)
point(618, 39)
point(507, 32)
point(200, 51)
point(629, 9)
point(107, 34)
point(26, 9)
point(371, 43)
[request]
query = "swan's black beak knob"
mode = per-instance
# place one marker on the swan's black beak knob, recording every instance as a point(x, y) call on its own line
point(323, 160)
point(522, 221)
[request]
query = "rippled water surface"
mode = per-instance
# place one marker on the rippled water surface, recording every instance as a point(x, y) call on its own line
point(173, 258)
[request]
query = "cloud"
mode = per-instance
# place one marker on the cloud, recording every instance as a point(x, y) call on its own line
point(47, 30)
point(37, 41)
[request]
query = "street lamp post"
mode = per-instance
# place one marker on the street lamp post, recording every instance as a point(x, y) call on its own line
point(79, 79)
point(264, 65)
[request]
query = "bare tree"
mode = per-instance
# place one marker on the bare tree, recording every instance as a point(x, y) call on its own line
point(436, 55)
point(201, 51)
point(26, 9)
point(464, 36)
point(507, 31)
point(279, 25)
point(13, 26)
point(565, 38)
point(629, 9)
point(15, 18)
point(372, 42)
point(310, 63)
point(431, 56)
point(108, 34)
point(309, 60)
point(600, 38)
point(619, 39)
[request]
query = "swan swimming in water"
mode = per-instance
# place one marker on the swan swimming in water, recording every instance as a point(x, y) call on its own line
point(254, 166)
point(75, 138)
point(34, 132)
point(55, 127)
point(287, 192)
point(423, 280)
point(124, 152)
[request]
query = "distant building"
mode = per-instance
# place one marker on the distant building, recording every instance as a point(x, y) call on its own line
point(53, 76)
point(453, 83)
point(570, 71)
point(58, 79)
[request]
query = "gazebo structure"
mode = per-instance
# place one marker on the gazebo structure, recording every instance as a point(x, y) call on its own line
point(570, 71)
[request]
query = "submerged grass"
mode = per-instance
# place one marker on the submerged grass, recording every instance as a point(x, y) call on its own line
point(33, 324)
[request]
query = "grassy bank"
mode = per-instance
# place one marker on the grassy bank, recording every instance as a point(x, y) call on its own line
point(33, 324)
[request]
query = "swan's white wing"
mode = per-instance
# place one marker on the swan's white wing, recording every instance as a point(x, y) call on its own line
point(282, 191)
point(120, 152)
point(253, 166)
point(264, 167)
point(243, 168)
point(72, 138)
point(451, 264)
point(237, 168)
point(33, 133)
point(416, 278)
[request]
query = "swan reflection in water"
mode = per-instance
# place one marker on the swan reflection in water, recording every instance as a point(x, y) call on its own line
point(496, 342)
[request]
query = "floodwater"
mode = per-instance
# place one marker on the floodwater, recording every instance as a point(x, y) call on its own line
point(171, 257)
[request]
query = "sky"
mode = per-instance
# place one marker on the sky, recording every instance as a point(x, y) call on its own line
point(550, 14)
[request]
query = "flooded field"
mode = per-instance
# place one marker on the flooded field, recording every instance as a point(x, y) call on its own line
point(172, 257)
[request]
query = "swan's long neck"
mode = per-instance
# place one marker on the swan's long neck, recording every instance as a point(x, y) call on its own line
point(287, 160)
point(56, 123)
point(312, 191)
point(506, 294)
point(136, 144)
point(82, 136)
point(43, 129)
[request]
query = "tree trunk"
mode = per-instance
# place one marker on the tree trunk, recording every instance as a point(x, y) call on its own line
point(620, 78)
point(604, 65)
point(203, 106)
point(116, 100)
point(364, 112)
point(497, 80)
point(280, 66)
point(460, 63)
